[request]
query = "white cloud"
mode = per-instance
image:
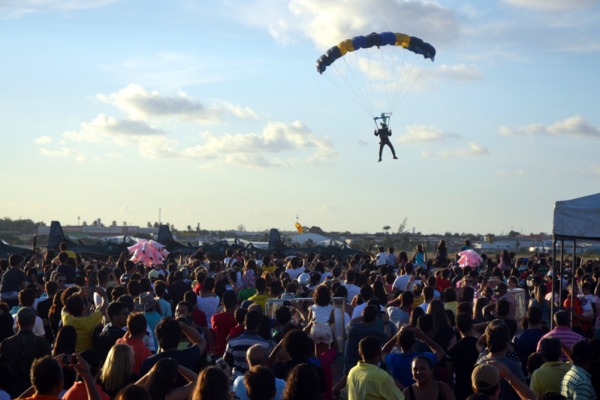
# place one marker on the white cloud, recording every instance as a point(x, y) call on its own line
point(277, 145)
point(575, 126)
point(326, 22)
point(139, 103)
point(473, 150)
point(63, 153)
point(553, 5)
point(107, 129)
point(43, 140)
point(422, 133)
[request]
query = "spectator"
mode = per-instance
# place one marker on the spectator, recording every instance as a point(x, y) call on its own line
point(168, 333)
point(259, 383)
point(161, 381)
point(79, 389)
point(425, 386)
point(134, 337)
point(548, 377)
point(577, 382)
point(212, 384)
point(85, 323)
point(224, 321)
point(256, 356)
point(463, 355)
point(117, 314)
point(360, 330)
point(20, 350)
point(235, 351)
point(366, 379)
point(118, 369)
point(562, 332)
point(300, 383)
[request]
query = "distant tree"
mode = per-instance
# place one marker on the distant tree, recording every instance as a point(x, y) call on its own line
point(241, 228)
point(84, 223)
point(189, 228)
point(490, 238)
point(124, 223)
point(513, 234)
point(114, 223)
point(156, 225)
point(314, 229)
point(198, 228)
point(149, 224)
point(386, 229)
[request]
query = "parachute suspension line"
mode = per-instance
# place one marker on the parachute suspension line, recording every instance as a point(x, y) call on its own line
point(388, 78)
point(356, 85)
point(349, 89)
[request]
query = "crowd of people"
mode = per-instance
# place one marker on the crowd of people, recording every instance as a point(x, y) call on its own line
point(374, 326)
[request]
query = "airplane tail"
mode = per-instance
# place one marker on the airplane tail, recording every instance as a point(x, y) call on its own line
point(56, 235)
point(164, 235)
point(275, 242)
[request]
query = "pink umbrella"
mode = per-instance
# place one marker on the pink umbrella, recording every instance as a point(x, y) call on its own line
point(469, 257)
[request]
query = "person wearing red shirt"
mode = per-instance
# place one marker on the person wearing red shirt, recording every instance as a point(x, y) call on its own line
point(136, 330)
point(223, 322)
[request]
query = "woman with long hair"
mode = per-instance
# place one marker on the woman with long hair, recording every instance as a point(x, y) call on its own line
point(133, 392)
point(441, 254)
point(445, 336)
point(212, 384)
point(117, 371)
point(301, 383)
point(64, 343)
point(425, 386)
point(160, 381)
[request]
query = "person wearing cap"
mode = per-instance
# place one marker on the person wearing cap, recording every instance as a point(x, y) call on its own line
point(485, 380)
point(19, 351)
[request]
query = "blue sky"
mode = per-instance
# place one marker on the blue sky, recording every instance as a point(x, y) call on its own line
point(214, 113)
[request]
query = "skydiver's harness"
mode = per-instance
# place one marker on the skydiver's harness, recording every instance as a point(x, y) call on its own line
point(384, 131)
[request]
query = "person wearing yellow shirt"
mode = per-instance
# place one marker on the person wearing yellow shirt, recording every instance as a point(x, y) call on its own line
point(78, 316)
point(260, 297)
point(366, 380)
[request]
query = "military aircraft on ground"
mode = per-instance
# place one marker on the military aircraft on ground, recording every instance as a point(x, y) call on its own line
point(101, 250)
point(6, 250)
point(216, 251)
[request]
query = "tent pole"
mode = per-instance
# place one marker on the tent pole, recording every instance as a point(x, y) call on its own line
point(552, 278)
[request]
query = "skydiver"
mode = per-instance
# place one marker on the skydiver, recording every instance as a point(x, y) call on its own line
point(384, 134)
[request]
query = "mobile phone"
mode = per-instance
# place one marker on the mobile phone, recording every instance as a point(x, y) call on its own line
point(69, 359)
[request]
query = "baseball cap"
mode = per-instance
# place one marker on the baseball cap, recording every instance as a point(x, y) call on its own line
point(485, 377)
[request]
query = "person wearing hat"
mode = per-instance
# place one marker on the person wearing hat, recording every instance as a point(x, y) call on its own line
point(485, 380)
point(19, 351)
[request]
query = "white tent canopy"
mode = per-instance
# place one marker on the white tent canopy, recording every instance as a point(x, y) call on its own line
point(578, 218)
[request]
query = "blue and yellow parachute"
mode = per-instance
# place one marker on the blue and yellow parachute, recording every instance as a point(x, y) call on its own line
point(410, 43)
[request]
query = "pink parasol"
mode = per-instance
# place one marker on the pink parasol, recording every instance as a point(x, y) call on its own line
point(469, 257)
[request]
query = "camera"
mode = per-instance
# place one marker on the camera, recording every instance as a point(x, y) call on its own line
point(69, 359)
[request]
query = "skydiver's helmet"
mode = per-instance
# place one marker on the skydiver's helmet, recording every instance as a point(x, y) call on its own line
point(303, 279)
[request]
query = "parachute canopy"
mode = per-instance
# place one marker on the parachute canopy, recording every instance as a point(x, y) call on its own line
point(411, 43)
